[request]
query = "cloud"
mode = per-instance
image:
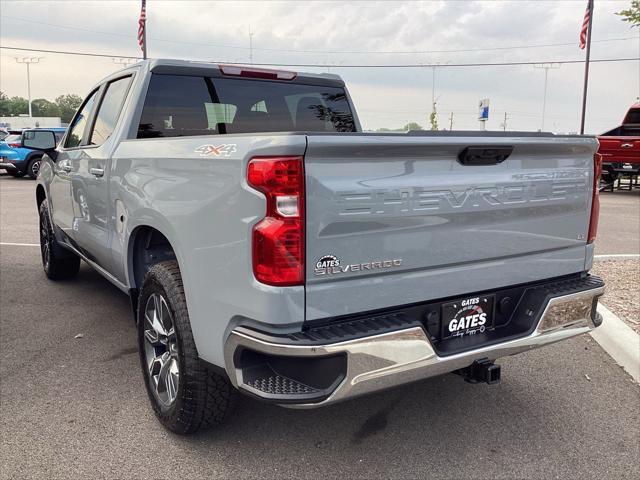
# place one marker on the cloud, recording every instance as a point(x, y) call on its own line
point(385, 97)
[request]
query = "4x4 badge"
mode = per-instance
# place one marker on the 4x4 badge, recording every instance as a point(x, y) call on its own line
point(222, 150)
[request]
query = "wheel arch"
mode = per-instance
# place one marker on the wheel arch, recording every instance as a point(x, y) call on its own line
point(41, 195)
point(147, 246)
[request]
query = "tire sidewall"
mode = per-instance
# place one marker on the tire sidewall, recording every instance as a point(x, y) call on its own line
point(44, 218)
point(32, 162)
point(153, 283)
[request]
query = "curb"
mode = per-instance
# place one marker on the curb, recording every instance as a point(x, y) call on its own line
point(619, 341)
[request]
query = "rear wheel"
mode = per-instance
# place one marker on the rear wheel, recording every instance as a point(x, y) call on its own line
point(185, 395)
point(57, 262)
point(34, 167)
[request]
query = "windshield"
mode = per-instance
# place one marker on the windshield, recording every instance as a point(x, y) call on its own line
point(13, 138)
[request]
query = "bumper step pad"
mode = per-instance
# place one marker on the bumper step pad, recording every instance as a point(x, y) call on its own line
point(273, 383)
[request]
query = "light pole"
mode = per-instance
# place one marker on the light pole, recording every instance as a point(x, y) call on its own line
point(124, 61)
point(546, 67)
point(28, 61)
point(250, 46)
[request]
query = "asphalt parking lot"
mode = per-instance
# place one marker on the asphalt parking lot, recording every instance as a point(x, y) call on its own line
point(74, 408)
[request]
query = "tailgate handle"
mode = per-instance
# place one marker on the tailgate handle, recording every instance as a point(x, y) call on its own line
point(485, 155)
point(627, 145)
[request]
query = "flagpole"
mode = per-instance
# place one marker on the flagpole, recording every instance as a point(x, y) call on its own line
point(144, 36)
point(586, 69)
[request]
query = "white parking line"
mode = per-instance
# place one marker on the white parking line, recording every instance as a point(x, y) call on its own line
point(10, 244)
point(617, 256)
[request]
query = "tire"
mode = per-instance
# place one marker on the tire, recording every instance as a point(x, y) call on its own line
point(186, 396)
point(16, 173)
point(34, 167)
point(58, 263)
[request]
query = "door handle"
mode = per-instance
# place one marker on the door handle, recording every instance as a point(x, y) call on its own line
point(627, 145)
point(98, 172)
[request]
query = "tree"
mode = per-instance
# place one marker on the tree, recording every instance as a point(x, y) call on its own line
point(4, 105)
point(41, 107)
point(18, 106)
point(631, 14)
point(67, 106)
point(433, 118)
point(412, 126)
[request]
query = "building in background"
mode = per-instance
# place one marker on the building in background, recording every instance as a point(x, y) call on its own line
point(20, 122)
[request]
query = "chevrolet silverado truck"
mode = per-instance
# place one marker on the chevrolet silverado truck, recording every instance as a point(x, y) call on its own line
point(620, 148)
point(270, 247)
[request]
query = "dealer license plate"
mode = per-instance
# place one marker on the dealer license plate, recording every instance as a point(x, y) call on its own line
point(467, 316)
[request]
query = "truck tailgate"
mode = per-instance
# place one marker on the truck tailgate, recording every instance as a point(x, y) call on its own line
point(397, 219)
point(620, 149)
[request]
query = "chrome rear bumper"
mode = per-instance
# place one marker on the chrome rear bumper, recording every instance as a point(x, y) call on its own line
point(382, 361)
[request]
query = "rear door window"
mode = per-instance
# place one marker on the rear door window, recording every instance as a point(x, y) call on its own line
point(187, 105)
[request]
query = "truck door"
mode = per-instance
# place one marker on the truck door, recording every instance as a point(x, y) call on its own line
point(89, 181)
point(60, 188)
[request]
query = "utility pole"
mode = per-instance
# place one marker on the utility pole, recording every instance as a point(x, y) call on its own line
point(504, 122)
point(451, 121)
point(250, 46)
point(547, 67)
point(27, 61)
point(433, 89)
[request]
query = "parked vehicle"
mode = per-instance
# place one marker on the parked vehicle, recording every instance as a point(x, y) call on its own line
point(620, 147)
point(19, 161)
point(270, 247)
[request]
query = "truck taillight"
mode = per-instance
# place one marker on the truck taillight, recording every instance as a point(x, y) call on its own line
point(278, 239)
point(595, 201)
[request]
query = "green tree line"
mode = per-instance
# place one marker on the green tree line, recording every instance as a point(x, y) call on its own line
point(63, 106)
point(407, 127)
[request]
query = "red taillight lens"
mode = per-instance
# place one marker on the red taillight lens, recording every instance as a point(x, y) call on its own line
point(595, 201)
point(14, 145)
point(278, 239)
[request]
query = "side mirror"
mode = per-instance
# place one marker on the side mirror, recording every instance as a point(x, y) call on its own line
point(39, 139)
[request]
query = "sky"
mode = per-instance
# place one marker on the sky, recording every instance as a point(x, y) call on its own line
point(339, 35)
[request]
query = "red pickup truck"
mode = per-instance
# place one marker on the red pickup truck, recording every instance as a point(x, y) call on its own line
point(621, 146)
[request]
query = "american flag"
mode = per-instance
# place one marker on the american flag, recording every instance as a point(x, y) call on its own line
point(141, 24)
point(585, 26)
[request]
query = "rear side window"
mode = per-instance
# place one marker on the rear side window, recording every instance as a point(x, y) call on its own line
point(109, 110)
point(633, 116)
point(76, 129)
point(178, 106)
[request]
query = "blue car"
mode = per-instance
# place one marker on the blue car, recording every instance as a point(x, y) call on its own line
point(19, 161)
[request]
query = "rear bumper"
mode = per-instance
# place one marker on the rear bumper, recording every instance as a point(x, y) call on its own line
point(265, 366)
point(8, 166)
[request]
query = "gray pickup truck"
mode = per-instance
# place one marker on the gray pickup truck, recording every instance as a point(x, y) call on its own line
point(270, 247)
